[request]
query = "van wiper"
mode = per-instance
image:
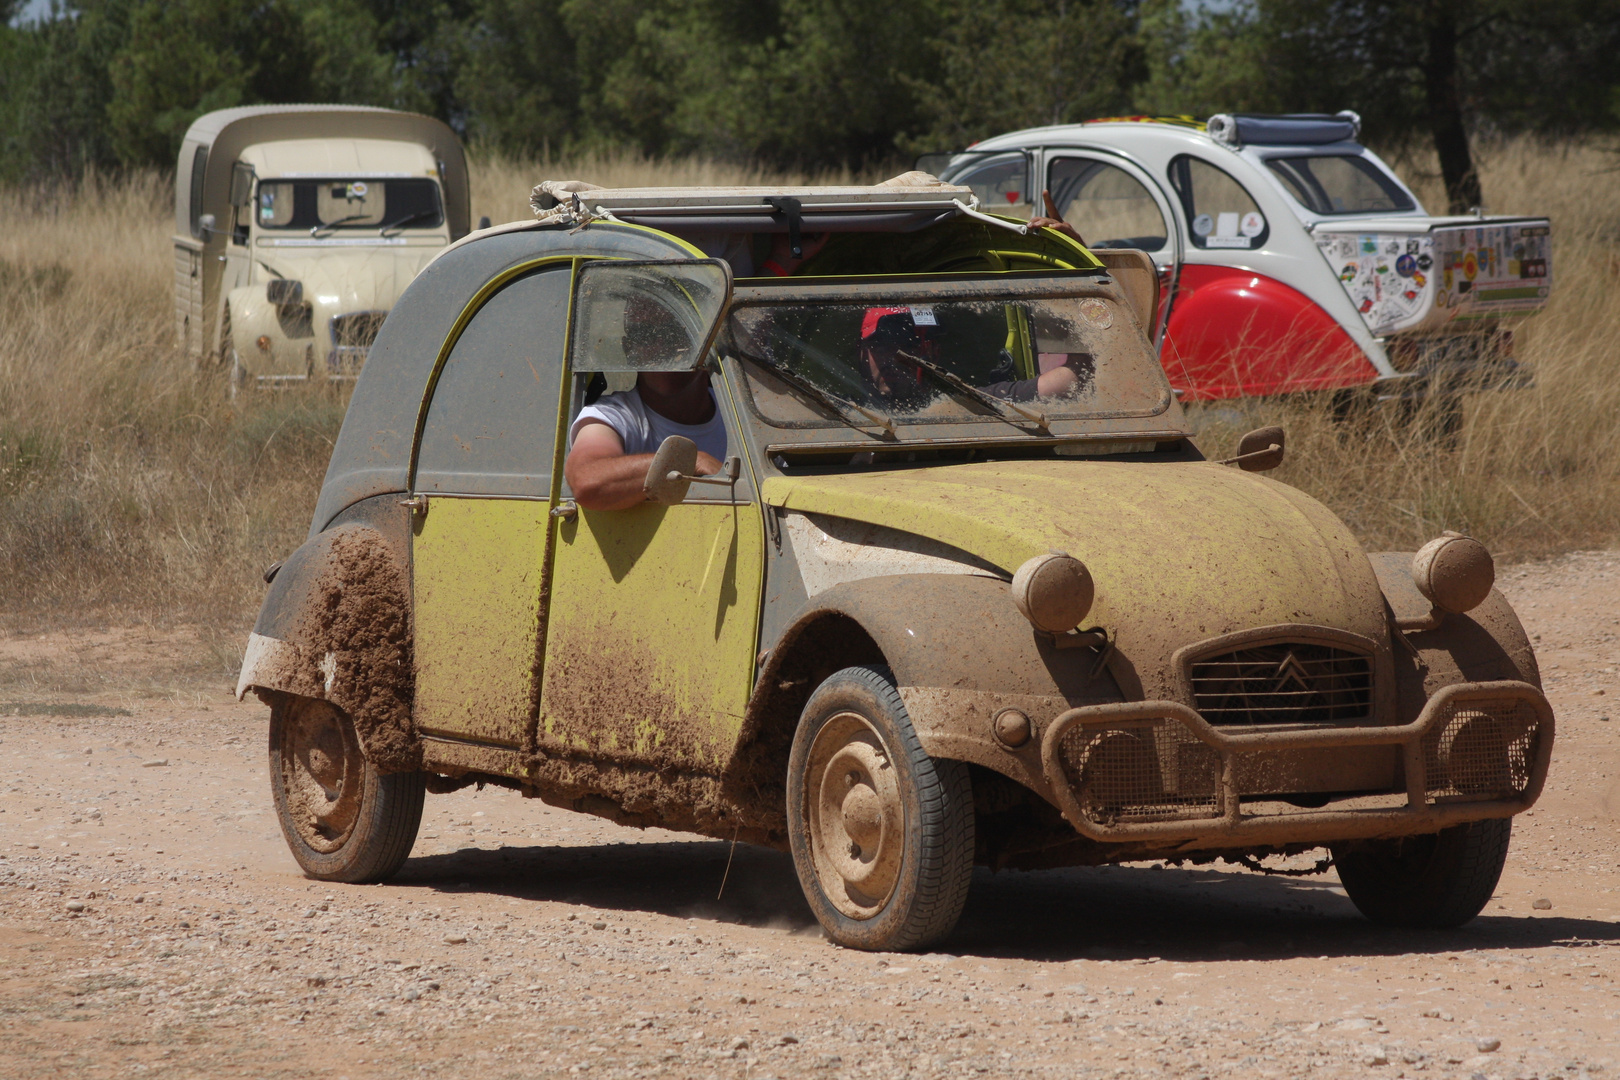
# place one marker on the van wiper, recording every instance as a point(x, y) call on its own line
point(825, 398)
point(406, 220)
point(325, 230)
point(961, 385)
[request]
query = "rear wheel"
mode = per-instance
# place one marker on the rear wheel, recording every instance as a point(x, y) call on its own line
point(1438, 880)
point(343, 820)
point(881, 833)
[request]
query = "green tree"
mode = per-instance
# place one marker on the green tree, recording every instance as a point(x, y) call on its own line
point(1009, 64)
point(1414, 69)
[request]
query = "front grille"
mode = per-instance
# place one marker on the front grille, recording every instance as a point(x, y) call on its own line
point(1483, 751)
point(1147, 770)
point(352, 336)
point(1288, 683)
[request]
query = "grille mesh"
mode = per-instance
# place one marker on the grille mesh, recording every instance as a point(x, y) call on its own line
point(352, 336)
point(1286, 683)
point(1482, 750)
point(1153, 770)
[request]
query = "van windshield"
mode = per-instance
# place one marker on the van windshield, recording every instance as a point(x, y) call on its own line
point(348, 204)
point(1339, 184)
point(926, 359)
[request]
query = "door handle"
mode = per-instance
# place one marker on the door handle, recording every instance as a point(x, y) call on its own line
point(568, 510)
point(417, 503)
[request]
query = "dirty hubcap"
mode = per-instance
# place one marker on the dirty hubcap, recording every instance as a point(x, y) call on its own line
point(857, 820)
point(322, 774)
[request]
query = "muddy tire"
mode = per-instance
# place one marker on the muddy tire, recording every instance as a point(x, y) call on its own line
point(1439, 880)
point(343, 820)
point(881, 833)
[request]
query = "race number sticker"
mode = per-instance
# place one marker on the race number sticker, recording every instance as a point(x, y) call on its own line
point(923, 316)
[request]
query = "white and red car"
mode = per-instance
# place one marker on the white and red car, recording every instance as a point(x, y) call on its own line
point(1290, 257)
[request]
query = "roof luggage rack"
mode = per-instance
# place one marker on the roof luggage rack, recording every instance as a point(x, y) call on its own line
point(1289, 129)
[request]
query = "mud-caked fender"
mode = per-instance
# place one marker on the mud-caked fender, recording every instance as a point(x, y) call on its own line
point(336, 625)
point(1484, 645)
point(960, 653)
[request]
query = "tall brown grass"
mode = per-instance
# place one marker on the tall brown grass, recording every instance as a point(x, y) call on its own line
point(131, 488)
point(1532, 471)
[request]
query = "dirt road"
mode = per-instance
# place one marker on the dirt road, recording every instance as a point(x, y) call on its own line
point(153, 924)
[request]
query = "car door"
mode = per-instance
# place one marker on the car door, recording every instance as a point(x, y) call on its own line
point(1113, 203)
point(481, 488)
point(653, 618)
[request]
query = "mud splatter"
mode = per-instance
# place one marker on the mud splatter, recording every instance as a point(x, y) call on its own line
point(361, 614)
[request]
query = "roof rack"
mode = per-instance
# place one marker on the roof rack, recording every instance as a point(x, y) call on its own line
point(906, 203)
point(1289, 129)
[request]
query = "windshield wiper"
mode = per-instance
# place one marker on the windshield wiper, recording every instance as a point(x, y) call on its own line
point(406, 220)
point(956, 382)
point(825, 398)
point(323, 230)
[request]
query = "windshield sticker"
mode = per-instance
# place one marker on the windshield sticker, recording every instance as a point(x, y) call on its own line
point(1253, 224)
point(923, 316)
point(1096, 313)
point(1203, 225)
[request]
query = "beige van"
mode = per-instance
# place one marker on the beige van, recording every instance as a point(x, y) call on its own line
point(298, 226)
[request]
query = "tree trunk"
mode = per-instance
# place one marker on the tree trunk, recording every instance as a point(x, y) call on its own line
point(1445, 107)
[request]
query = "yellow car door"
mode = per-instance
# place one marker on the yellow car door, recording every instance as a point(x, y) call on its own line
point(653, 626)
point(482, 488)
point(653, 617)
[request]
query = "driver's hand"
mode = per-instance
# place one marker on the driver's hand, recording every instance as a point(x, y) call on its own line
point(707, 464)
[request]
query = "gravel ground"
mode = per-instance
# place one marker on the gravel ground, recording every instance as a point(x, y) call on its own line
point(152, 923)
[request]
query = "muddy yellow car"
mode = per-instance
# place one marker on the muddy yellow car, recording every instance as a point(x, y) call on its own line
point(961, 590)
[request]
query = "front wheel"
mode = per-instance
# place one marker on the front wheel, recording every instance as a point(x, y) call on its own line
point(1437, 880)
point(343, 820)
point(881, 833)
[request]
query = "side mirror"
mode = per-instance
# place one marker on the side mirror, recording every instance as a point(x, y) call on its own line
point(483, 222)
point(672, 466)
point(647, 316)
point(1260, 450)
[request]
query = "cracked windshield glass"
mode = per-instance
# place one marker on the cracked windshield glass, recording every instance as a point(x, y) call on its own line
point(1017, 360)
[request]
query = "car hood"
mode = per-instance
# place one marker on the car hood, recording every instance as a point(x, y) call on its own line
point(339, 280)
point(1181, 552)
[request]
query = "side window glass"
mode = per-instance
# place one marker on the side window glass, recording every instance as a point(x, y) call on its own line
point(494, 411)
point(199, 171)
point(1220, 211)
point(1000, 180)
point(1106, 205)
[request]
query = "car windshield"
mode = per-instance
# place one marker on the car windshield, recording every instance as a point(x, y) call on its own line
point(1339, 184)
point(348, 204)
point(922, 359)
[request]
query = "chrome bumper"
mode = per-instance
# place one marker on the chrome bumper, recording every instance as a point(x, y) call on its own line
point(1158, 771)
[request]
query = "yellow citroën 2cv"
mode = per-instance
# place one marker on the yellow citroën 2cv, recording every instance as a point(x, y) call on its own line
point(954, 586)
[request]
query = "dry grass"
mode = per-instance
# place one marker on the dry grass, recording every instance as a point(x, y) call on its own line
point(130, 489)
point(1533, 472)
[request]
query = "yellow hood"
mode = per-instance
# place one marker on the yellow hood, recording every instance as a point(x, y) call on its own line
point(1181, 551)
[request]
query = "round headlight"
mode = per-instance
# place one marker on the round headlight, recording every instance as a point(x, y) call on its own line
point(1454, 572)
point(1053, 592)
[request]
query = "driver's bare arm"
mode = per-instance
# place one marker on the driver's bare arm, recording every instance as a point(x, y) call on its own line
point(603, 477)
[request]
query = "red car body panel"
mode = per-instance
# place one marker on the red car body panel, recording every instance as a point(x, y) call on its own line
point(1234, 333)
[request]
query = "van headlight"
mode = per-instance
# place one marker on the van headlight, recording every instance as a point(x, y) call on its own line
point(1454, 572)
point(1053, 591)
